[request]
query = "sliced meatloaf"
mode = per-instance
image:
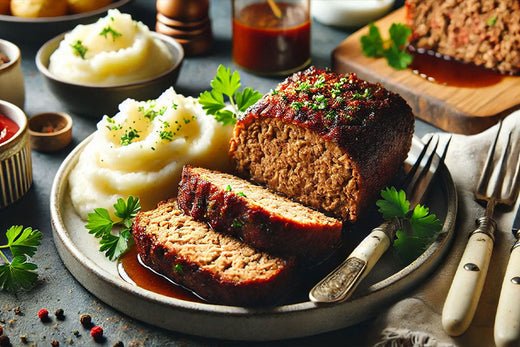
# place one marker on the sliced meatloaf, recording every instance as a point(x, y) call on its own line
point(217, 267)
point(260, 218)
point(329, 141)
point(482, 32)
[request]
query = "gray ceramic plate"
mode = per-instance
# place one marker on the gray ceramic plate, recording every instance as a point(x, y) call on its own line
point(388, 281)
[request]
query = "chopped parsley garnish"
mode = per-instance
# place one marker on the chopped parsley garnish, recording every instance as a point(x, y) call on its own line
point(491, 21)
point(113, 125)
point(320, 82)
point(101, 226)
point(79, 49)
point(242, 194)
point(130, 135)
point(166, 135)
point(303, 87)
point(109, 30)
point(365, 96)
point(227, 84)
point(18, 273)
point(393, 49)
point(296, 105)
point(422, 226)
point(237, 223)
point(150, 110)
point(228, 188)
point(331, 115)
point(178, 268)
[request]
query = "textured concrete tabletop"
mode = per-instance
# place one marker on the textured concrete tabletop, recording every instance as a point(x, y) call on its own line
point(56, 287)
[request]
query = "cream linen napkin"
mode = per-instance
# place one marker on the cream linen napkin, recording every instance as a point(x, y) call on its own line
point(416, 320)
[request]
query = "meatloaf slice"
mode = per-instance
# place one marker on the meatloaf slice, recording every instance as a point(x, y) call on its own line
point(330, 141)
point(482, 32)
point(215, 266)
point(260, 218)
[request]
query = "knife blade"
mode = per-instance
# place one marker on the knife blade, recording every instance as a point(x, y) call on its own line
point(339, 285)
point(507, 320)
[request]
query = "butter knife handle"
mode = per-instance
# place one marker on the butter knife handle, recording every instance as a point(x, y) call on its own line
point(507, 322)
point(464, 294)
point(340, 283)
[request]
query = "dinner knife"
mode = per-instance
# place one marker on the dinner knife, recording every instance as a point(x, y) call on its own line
point(507, 320)
point(339, 285)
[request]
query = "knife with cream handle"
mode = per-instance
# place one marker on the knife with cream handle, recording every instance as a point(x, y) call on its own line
point(338, 285)
point(470, 276)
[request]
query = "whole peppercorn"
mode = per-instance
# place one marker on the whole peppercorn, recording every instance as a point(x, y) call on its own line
point(59, 314)
point(85, 320)
point(97, 333)
point(43, 314)
point(4, 341)
point(55, 343)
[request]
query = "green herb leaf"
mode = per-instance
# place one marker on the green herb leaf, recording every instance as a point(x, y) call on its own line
point(127, 210)
point(393, 49)
point(109, 30)
point(115, 245)
point(241, 194)
point(79, 49)
point(372, 43)
point(99, 222)
point(424, 226)
point(227, 83)
point(491, 21)
point(23, 241)
point(17, 275)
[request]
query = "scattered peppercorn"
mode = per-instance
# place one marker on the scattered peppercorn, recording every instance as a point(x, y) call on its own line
point(23, 338)
point(43, 314)
point(1, 330)
point(4, 341)
point(119, 344)
point(97, 333)
point(85, 320)
point(55, 343)
point(59, 314)
point(18, 311)
point(76, 333)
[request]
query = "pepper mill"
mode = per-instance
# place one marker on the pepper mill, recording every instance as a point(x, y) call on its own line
point(187, 21)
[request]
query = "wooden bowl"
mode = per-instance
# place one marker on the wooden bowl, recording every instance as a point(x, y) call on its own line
point(50, 131)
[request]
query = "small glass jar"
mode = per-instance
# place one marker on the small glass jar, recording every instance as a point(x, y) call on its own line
point(271, 37)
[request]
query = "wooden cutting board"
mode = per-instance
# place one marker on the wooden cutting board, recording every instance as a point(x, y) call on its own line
point(454, 109)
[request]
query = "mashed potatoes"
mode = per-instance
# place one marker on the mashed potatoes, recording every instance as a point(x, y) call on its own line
point(142, 149)
point(114, 50)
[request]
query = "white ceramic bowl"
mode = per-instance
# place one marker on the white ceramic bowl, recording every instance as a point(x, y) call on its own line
point(11, 79)
point(15, 158)
point(349, 13)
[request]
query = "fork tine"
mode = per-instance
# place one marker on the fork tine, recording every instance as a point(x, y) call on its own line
point(409, 176)
point(488, 166)
point(515, 183)
point(501, 165)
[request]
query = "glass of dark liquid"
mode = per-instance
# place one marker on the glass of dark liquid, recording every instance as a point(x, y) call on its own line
point(271, 37)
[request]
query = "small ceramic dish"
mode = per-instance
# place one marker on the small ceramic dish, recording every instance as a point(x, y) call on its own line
point(50, 131)
point(95, 101)
point(11, 78)
point(15, 155)
point(349, 13)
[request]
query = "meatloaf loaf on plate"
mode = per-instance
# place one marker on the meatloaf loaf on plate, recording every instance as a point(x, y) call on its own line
point(217, 267)
point(260, 218)
point(482, 32)
point(329, 141)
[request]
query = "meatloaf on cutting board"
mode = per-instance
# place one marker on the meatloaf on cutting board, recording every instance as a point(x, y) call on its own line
point(482, 32)
point(260, 218)
point(329, 141)
point(216, 266)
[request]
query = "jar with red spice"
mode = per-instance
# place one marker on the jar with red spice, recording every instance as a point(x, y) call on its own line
point(271, 37)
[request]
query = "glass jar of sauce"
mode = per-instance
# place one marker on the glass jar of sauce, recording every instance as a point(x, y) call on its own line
point(271, 37)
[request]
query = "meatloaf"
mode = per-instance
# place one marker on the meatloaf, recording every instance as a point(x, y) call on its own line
point(329, 141)
point(482, 32)
point(217, 267)
point(260, 218)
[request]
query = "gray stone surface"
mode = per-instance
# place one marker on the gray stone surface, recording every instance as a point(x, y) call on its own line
point(56, 288)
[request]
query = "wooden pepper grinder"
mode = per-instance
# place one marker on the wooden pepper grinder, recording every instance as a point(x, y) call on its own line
point(188, 22)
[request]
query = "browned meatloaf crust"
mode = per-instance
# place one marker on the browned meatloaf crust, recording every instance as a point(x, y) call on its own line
point(482, 32)
point(215, 266)
point(260, 218)
point(330, 141)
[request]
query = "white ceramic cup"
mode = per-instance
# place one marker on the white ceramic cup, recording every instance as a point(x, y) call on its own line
point(12, 88)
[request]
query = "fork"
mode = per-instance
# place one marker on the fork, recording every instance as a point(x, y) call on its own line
point(339, 285)
point(468, 282)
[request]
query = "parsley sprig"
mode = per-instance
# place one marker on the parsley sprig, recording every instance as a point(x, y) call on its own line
point(393, 49)
point(79, 49)
point(421, 226)
point(101, 226)
point(227, 84)
point(18, 273)
point(109, 30)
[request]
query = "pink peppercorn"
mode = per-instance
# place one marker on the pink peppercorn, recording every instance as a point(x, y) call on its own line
point(43, 314)
point(96, 332)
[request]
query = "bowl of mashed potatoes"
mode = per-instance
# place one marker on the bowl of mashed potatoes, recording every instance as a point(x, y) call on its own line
point(94, 67)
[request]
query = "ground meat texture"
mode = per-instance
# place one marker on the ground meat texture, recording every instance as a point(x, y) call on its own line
point(217, 267)
point(482, 32)
point(257, 216)
point(329, 141)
